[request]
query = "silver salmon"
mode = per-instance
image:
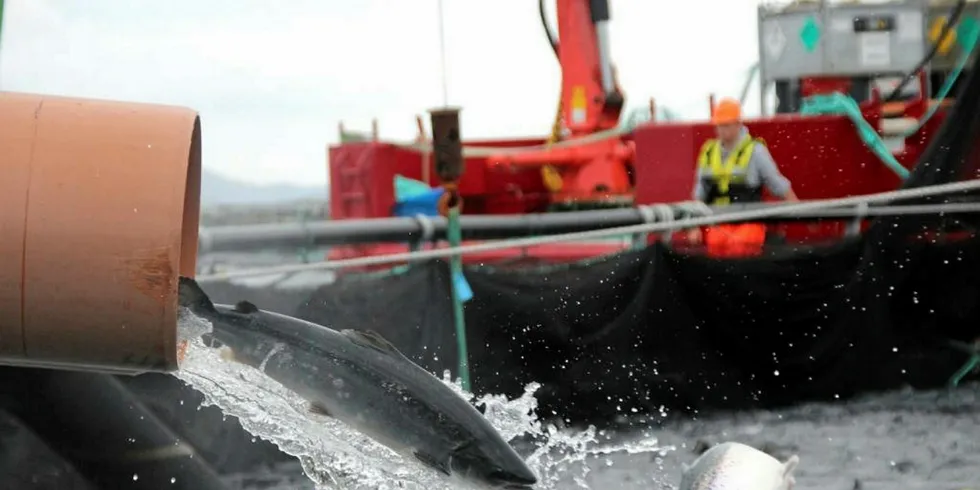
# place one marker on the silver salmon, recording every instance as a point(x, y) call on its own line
point(734, 466)
point(365, 382)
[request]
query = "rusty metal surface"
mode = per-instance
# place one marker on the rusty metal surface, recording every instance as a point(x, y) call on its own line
point(99, 214)
point(447, 144)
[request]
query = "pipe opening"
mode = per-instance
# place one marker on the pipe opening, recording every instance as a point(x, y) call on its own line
point(192, 205)
point(189, 229)
point(105, 224)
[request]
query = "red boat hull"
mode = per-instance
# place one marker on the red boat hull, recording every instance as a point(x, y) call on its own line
point(823, 156)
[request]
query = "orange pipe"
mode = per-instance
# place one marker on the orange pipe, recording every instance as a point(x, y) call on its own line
point(99, 209)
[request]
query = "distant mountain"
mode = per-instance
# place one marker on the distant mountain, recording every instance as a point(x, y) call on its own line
point(216, 189)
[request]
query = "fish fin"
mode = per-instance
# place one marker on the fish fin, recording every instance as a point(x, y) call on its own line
point(431, 462)
point(372, 339)
point(685, 468)
point(245, 307)
point(190, 295)
point(789, 466)
point(319, 409)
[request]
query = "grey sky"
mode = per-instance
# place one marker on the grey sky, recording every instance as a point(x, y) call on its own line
point(271, 78)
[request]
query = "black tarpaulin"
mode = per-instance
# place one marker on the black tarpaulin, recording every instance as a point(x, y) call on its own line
point(657, 328)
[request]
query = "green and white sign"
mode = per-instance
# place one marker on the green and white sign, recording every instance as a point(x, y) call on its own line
point(810, 34)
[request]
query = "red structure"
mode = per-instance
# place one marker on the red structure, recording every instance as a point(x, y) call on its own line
point(362, 176)
point(823, 156)
point(591, 102)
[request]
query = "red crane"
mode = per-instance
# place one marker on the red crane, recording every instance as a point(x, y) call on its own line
point(586, 160)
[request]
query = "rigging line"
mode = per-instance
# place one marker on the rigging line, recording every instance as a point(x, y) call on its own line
point(442, 55)
point(749, 215)
point(1, 38)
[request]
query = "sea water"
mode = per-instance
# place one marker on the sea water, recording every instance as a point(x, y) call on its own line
point(335, 456)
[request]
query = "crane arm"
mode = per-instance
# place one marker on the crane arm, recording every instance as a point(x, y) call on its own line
point(591, 98)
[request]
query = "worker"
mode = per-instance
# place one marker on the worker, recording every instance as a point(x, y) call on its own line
point(733, 168)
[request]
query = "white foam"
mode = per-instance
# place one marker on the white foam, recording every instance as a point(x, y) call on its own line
point(335, 456)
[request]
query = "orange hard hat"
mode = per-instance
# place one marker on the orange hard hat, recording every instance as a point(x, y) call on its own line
point(727, 111)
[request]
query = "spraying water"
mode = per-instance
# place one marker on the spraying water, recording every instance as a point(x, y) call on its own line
point(335, 456)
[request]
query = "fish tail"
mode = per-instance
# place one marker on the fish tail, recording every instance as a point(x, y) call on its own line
point(192, 296)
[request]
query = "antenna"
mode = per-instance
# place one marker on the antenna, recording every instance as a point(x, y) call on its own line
point(442, 55)
point(1, 32)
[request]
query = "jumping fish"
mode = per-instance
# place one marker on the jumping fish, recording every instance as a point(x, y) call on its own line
point(734, 466)
point(364, 381)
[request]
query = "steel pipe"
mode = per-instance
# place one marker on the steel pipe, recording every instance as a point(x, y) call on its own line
point(395, 230)
point(99, 210)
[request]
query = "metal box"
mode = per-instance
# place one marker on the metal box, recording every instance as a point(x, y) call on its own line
point(847, 40)
point(948, 54)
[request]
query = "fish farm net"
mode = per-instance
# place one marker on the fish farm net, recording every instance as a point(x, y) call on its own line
point(655, 328)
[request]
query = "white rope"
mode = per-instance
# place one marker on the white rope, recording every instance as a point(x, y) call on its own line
point(427, 226)
point(442, 55)
point(749, 215)
point(649, 214)
point(693, 208)
point(665, 214)
point(854, 228)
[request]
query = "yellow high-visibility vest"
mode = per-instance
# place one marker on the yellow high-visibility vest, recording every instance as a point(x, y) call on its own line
point(724, 173)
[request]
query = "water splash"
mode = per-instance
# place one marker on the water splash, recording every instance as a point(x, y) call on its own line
point(190, 327)
point(335, 456)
